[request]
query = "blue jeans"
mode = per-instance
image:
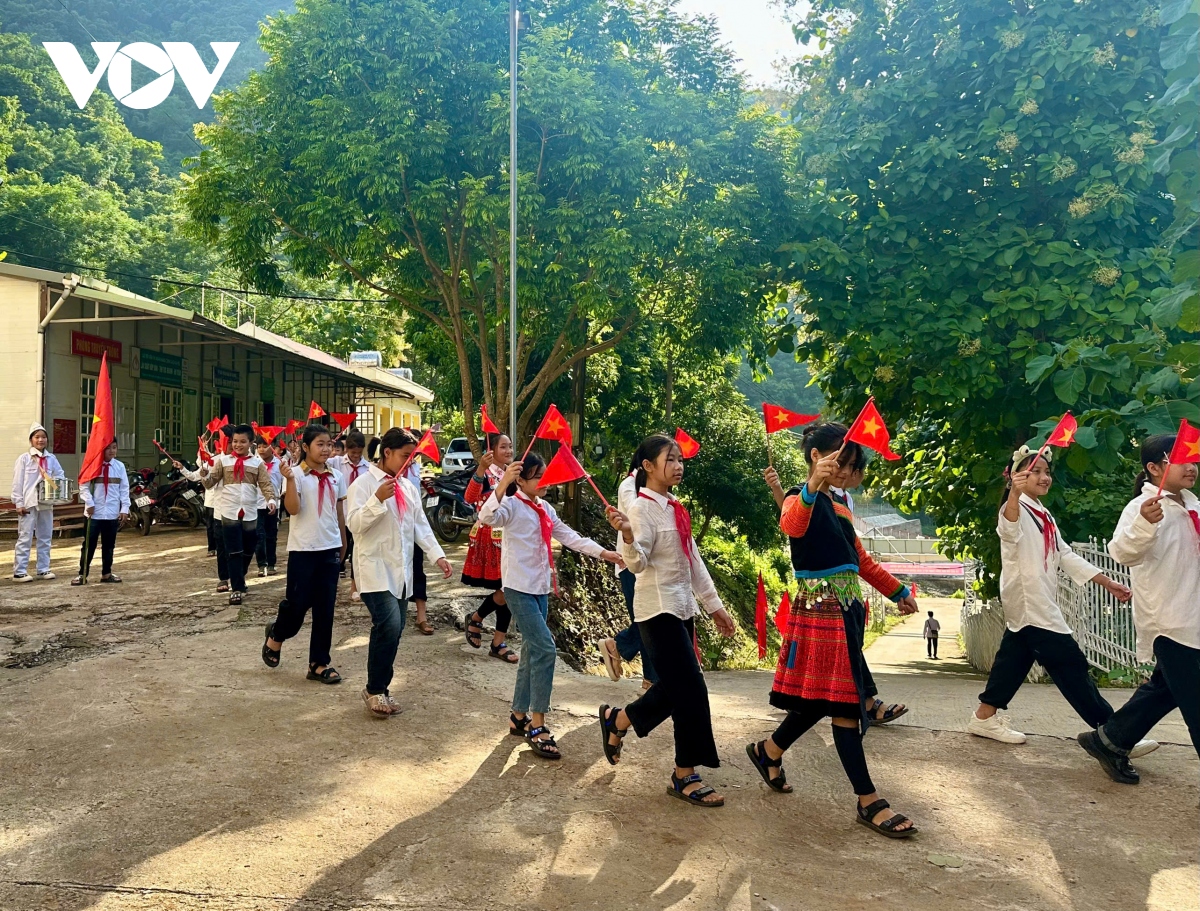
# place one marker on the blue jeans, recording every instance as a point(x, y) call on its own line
point(535, 671)
point(388, 615)
point(629, 640)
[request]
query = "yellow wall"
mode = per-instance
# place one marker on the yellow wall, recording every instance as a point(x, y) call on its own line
point(18, 404)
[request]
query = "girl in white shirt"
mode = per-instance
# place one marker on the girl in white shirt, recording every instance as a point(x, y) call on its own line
point(35, 520)
point(316, 538)
point(351, 465)
point(1158, 537)
point(658, 548)
point(386, 517)
point(1031, 553)
point(527, 568)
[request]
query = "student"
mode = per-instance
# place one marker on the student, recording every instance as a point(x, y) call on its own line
point(850, 477)
point(339, 448)
point(268, 521)
point(216, 541)
point(1031, 554)
point(34, 520)
point(106, 506)
point(820, 673)
point(420, 595)
point(314, 496)
point(293, 451)
point(627, 644)
point(527, 566)
point(242, 478)
point(481, 569)
point(657, 546)
point(350, 464)
point(387, 519)
point(1158, 537)
point(930, 632)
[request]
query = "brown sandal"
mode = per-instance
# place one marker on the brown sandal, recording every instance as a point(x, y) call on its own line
point(425, 628)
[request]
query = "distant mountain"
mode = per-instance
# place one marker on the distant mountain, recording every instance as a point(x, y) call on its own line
point(787, 386)
point(195, 21)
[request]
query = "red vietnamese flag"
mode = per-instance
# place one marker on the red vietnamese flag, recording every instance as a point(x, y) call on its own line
point(292, 426)
point(427, 447)
point(760, 618)
point(1187, 444)
point(104, 429)
point(202, 451)
point(555, 427)
point(869, 430)
point(344, 418)
point(269, 432)
point(778, 418)
point(488, 426)
point(781, 614)
point(213, 426)
point(563, 469)
point(687, 446)
point(315, 411)
point(1063, 433)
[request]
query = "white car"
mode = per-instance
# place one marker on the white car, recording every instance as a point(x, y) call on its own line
point(458, 455)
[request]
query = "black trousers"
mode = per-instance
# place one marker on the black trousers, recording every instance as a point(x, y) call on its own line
point(265, 549)
point(1174, 684)
point(680, 693)
point(420, 586)
point(312, 581)
point(1062, 658)
point(348, 560)
point(240, 537)
point(217, 543)
point(104, 530)
point(848, 742)
point(931, 646)
point(212, 526)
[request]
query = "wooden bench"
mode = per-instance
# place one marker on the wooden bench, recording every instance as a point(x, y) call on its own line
point(68, 520)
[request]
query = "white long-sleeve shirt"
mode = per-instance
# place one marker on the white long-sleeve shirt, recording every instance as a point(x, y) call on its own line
point(351, 471)
point(1028, 576)
point(524, 561)
point(667, 581)
point(27, 473)
point(626, 494)
point(275, 475)
point(1164, 565)
point(111, 502)
point(383, 540)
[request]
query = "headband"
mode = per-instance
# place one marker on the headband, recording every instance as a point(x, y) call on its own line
point(1021, 455)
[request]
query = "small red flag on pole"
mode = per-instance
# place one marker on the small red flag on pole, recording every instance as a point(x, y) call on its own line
point(1185, 451)
point(565, 468)
point(778, 418)
point(760, 618)
point(688, 448)
point(315, 411)
point(553, 427)
point(1062, 435)
point(869, 430)
point(426, 447)
point(488, 426)
point(343, 418)
point(781, 614)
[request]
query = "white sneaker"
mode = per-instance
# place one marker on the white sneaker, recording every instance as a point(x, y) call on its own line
point(611, 657)
point(1142, 747)
point(24, 577)
point(46, 576)
point(995, 728)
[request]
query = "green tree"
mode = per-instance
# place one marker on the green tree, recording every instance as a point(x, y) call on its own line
point(373, 148)
point(984, 247)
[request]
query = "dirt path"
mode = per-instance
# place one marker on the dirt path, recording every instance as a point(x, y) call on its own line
point(157, 764)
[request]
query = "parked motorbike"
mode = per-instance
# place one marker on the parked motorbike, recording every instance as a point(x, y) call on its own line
point(449, 513)
point(174, 501)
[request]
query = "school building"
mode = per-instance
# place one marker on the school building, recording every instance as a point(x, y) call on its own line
point(172, 370)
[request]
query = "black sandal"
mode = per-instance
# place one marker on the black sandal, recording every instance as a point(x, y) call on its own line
point(764, 763)
point(474, 639)
point(887, 828)
point(222, 588)
point(329, 675)
point(504, 653)
point(235, 598)
point(517, 726)
point(540, 746)
point(608, 727)
point(696, 797)
point(889, 714)
point(269, 655)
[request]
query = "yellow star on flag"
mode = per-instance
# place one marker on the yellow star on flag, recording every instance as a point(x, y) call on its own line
point(1193, 448)
point(871, 427)
point(780, 418)
point(555, 424)
point(1067, 435)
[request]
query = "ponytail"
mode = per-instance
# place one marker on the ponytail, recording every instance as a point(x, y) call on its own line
point(1155, 449)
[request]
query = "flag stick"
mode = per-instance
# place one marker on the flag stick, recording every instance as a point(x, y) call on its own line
point(607, 505)
point(770, 460)
point(1164, 477)
point(87, 533)
point(158, 445)
point(529, 447)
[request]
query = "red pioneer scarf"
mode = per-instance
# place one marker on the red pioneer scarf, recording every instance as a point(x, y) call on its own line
point(1049, 533)
point(683, 524)
point(324, 483)
point(401, 500)
point(547, 527)
point(239, 468)
point(355, 468)
point(104, 478)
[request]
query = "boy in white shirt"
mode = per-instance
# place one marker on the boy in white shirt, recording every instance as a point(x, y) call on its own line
point(34, 521)
point(106, 508)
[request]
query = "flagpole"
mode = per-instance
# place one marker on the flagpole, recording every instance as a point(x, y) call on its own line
point(603, 500)
point(1163, 480)
point(513, 23)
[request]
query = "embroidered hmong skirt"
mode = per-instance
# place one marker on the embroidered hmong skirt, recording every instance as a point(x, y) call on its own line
point(481, 569)
point(820, 660)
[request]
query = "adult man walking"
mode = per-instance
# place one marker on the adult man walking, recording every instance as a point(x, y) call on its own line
point(931, 635)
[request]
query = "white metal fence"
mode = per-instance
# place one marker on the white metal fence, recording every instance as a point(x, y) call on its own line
point(1102, 626)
